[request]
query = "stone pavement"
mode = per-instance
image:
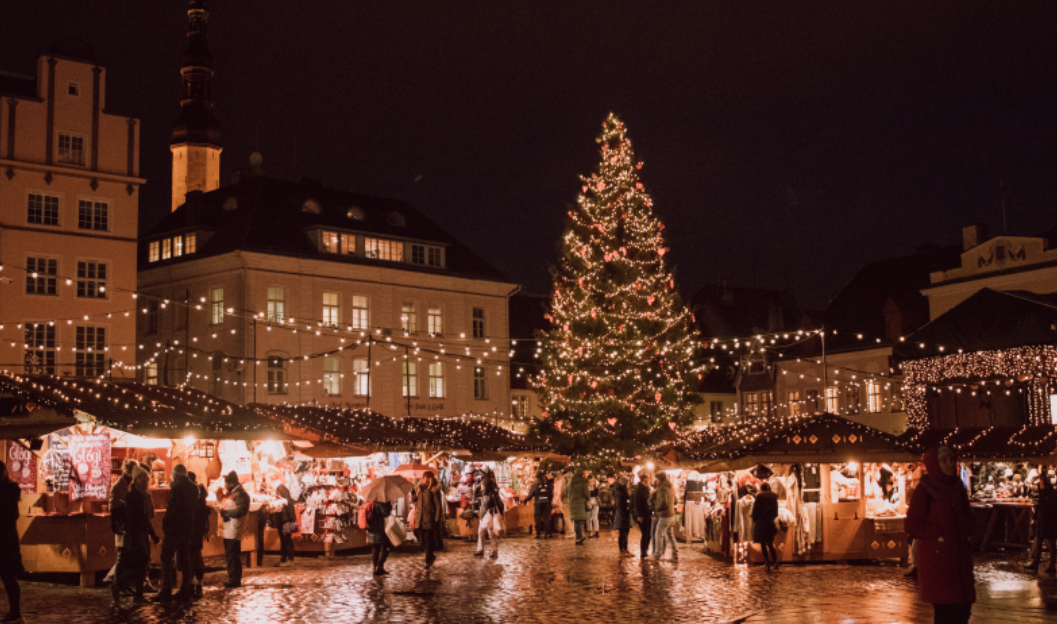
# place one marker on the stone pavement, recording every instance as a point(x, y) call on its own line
point(554, 581)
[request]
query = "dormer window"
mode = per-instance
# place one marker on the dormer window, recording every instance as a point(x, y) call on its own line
point(396, 219)
point(231, 204)
point(311, 206)
point(356, 214)
point(756, 367)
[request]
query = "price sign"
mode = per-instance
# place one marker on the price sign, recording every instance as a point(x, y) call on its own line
point(22, 467)
point(89, 467)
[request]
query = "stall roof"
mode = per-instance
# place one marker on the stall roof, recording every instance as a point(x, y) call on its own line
point(150, 411)
point(821, 438)
point(986, 443)
point(373, 430)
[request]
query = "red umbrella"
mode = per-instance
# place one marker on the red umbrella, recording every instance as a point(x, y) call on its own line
point(414, 471)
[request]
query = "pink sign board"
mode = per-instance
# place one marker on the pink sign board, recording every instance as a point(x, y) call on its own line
point(22, 467)
point(89, 467)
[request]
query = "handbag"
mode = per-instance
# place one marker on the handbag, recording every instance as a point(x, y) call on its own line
point(395, 531)
point(499, 524)
point(468, 514)
point(290, 528)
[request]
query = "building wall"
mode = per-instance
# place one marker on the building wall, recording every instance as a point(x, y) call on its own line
point(716, 409)
point(246, 277)
point(31, 163)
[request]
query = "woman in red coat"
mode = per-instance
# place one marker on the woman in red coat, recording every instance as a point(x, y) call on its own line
point(941, 521)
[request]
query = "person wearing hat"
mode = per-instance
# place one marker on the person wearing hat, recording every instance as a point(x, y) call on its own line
point(178, 527)
point(233, 513)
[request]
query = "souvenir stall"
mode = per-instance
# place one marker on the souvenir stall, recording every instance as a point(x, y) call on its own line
point(66, 475)
point(816, 467)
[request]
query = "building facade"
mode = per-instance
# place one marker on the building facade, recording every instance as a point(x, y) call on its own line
point(69, 205)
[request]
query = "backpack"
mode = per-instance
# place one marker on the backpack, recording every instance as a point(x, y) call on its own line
point(364, 516)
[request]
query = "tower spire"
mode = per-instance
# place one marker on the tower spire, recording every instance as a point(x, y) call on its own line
point(196, 143)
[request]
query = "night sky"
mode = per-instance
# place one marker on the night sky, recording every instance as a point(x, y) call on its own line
point(815, 136)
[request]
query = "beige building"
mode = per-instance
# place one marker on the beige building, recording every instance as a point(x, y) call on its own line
point(69, 203)
point(1001, 263)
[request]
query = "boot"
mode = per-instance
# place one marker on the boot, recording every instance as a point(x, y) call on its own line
point(198, 590)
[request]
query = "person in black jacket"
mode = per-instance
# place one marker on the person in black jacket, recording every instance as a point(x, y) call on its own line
point(642, 512)
point(10, 546)
point(622, 513)
point(202, 511)
point(542, 492)
point(764, 513)
point(1045, 524)
point(139, 533)
point(179, 528)
point(287, 515)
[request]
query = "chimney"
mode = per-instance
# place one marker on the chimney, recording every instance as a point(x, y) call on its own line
point(973, 235)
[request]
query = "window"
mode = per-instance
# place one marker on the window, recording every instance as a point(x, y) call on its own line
point(832, 400)
point(811, 401)
point(795, 406)
point(397, 219)
point(71, 149)
point(154, 251)
point(276, 375)
point(40, 348)
point(715, 411)
point(92, 215)
point(356, 213)
point(521, 407)
point(756, 367)
point(151, 374)
point(91, 280)
point(190, 243)
point(752, 403)
point(166, 249)
point(91, 351)
point(436, 380)
point(177, 246)
point(766, 400)
point(331, 310)
point(362, 377)
point(41, 276)
point(853, 398)
point(360, 316)
point(411, 379)
point(478, 322)
point(435, 320)
point(408, 322)
point(311, 206)
point(480, 383)
point(331, 242)
point(73, 88)
point(425, 254)
point(331, 376)
point(382, 249)
point(276, 304)
point(216, 374)
point(216, 306)
point(153, 310)
point(43, 209)
point(873, 397)
point(433, 257)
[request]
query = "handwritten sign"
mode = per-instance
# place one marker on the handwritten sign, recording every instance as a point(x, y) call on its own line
point(22, 467)
point(89, 467)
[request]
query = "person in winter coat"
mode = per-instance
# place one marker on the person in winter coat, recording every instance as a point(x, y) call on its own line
point(592, 504)
point(376, 537)
point(1045, 524)
point(941, 520)
point(579, 494)
point(115, 505)
point(664, 506)
point(139, 533)
point(622, 514)
point(429, 514)
point(178, 526)
point(233, 514)
point(567, 520)
point(10, 547)
point(764, 513)
point(202, 511)
point(284, 517)
point(491, 505)
point(643, 513)
point(541, 493)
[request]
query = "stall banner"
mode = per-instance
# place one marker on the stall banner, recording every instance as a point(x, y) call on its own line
point(22, 467)
point(89, 467)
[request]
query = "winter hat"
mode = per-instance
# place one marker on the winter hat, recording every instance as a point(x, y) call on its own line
point(231, 478)
point(179, 470)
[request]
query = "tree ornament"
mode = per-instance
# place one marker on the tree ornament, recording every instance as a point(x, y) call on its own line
point(558, 424)
point(657, 397)
point(650, 299)
point(594, 313)
point(638, 185)
point(584, 187)
point(594, 384)
point(671, 425)
point(544, 415)
point(638, 166)
point(601, 186)
point(661, 251)
point(612, 422)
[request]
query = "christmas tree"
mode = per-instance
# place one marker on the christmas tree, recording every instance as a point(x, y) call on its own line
point(618, 364)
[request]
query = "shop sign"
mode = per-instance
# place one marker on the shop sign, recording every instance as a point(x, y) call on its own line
point(89, 467)
point(22, 467)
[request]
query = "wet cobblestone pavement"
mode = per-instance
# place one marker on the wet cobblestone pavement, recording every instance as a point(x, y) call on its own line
point(551, 581)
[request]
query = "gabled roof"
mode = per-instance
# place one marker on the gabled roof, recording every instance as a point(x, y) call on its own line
point(724, 311)
point(989, 320)
point(266, 215)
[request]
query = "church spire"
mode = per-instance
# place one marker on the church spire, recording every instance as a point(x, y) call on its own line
point(196, 143)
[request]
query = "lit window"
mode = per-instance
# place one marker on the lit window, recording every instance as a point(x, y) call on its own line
point(71, 149)
point(91, 280)
point(480, 383)
point(408, 320)
point(382, 249)
point(166, 249)
point(276, 304)
point(331, 242)
point(40, 348)
point(832, 399)
point(795, 407)
point(331, 315)
point(93, 215)
point(216, 306)
point(752, 403)
point(151, 374)
point(873, 397)
point(766, 400)
point(43, 209)
point(348, 244)
point(331, 376)
point(190, 243)
point(478, 322)
point(362, 377)
point(91, 351)
point(360, 316)
point(154, 251)
point(853, 399)
point(715, 411)
point(276, 375)
point(41, 276)
point(177, 246)
point(411, 379)
point(522, 405)
point(436, 380)
point(435, 320)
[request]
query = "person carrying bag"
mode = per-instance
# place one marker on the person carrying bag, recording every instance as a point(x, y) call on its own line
point(492, 524)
